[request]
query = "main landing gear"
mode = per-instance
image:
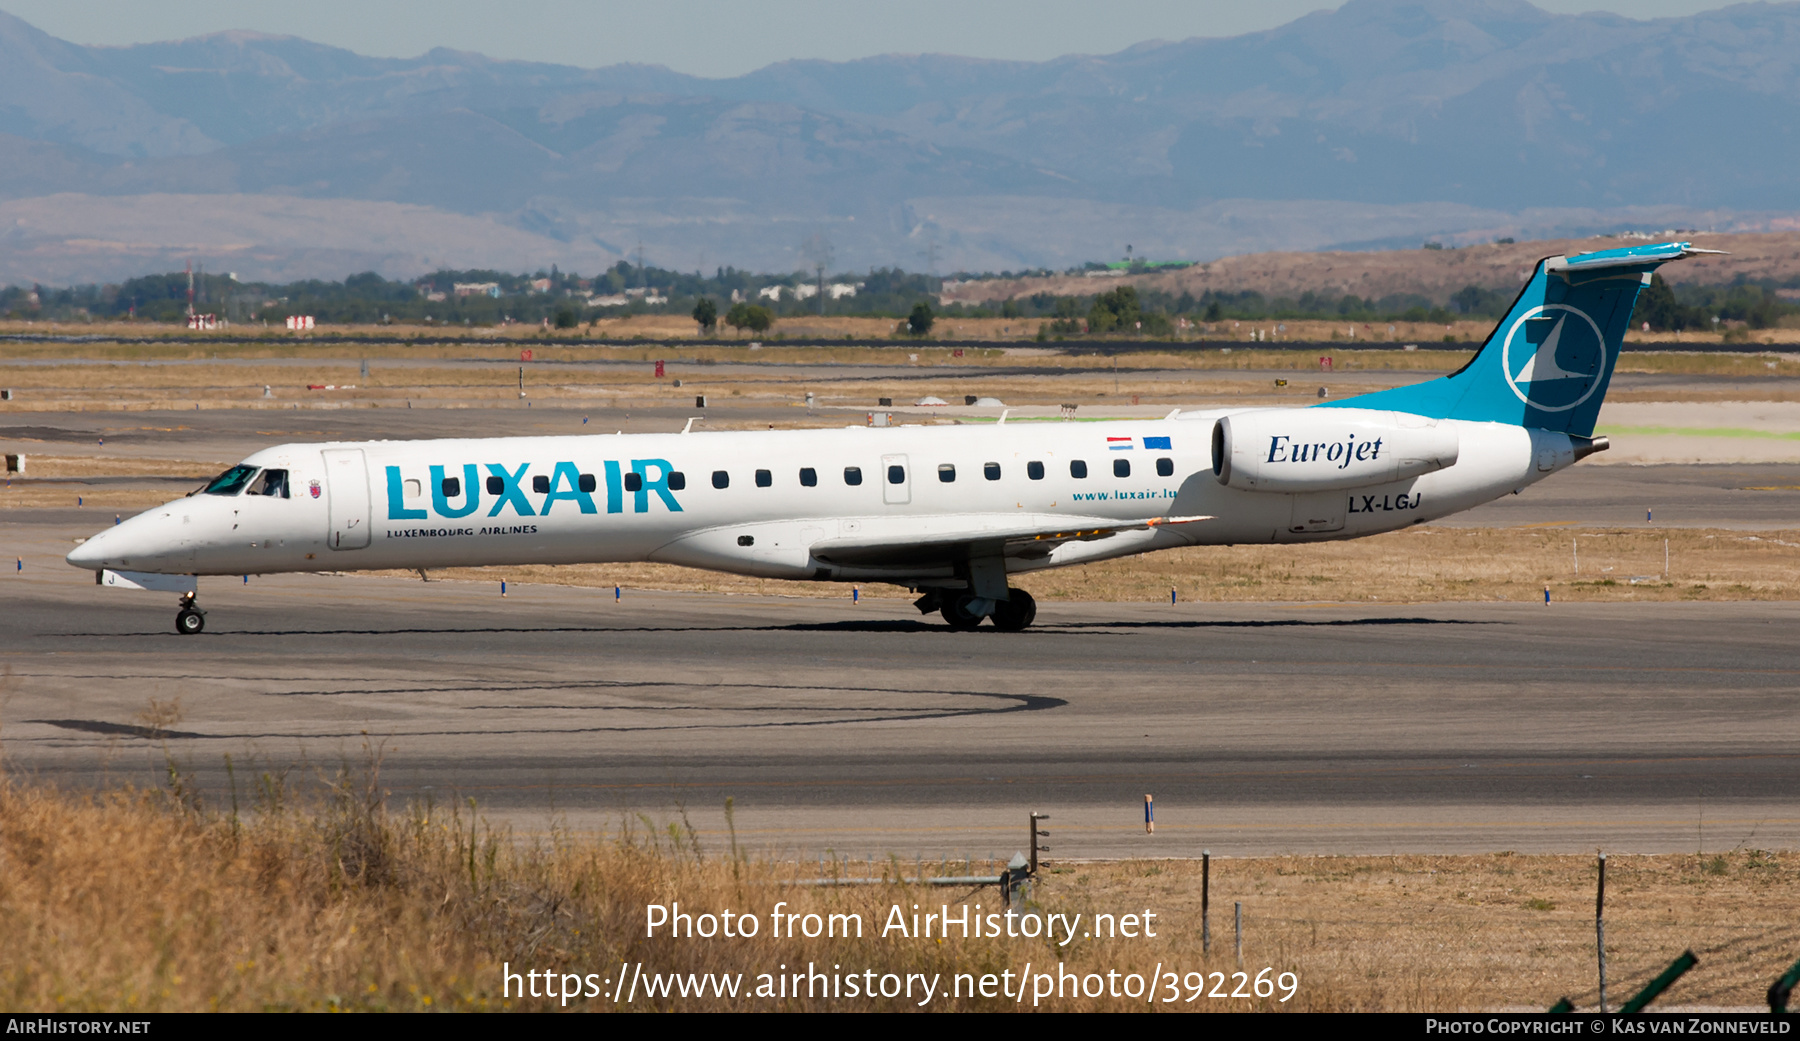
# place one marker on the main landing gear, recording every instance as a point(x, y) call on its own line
point(190, 619)
point(964, 611)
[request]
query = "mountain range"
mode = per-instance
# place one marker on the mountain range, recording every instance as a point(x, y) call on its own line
point(1380, 123)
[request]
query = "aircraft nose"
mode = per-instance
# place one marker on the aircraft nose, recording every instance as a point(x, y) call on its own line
point(92, 553)
point(136, 540)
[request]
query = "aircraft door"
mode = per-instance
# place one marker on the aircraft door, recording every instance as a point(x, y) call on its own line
point(347, 486)
point(896, 480)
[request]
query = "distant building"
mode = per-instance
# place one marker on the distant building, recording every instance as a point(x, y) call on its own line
point(477, 289)
point(538, 285)
point(614, 300)
point(769, 293)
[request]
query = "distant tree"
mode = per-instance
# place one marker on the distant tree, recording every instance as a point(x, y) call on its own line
point(565, 318)
point(919, 322)
point(1118, 309)
point(1214, 313)
point(1155, 323)
point(1657, 306)
point(1009, 309)
point(707, 314)
point(749, 316)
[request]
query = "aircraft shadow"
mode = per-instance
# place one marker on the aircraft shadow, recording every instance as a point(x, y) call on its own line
point(845, 626)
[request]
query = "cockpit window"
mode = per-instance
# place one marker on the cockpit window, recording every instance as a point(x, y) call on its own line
point(231, 481)
point(275, 483)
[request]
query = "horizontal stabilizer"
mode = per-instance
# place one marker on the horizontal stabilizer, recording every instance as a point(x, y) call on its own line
point(1631, 256)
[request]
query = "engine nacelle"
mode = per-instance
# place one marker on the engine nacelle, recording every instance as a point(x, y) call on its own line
point(1326, 449)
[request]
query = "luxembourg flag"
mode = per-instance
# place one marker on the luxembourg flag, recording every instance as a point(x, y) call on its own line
point(1119, 444)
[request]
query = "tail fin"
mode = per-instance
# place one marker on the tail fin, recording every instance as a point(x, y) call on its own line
point(1548, 362)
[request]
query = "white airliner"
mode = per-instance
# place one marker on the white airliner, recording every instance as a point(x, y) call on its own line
point(948, 512)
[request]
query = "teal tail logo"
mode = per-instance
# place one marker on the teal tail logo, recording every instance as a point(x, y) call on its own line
point(1547, 364)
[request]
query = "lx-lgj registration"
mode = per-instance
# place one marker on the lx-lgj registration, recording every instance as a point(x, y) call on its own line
point(950, 513)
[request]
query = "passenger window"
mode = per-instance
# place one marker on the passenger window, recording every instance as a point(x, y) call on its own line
point(1034, 470)
point(496, 486)
point(721, 479)
point(809, 477)
point(540, 484)
point(452, 487)
point(414, 488)
point(1121, 468)
point(275, 483)
point(896, 474)
point(1078, 469)
point(853, 475)
point(764, 478)
point(634, 482)
point(746, 540)
point(1165, 467)
point(677, 481)
point(231, 481)
point(991, 471)
point(586, 482)
point(946, 472)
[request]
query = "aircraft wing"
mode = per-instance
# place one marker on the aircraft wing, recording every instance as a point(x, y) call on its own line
point(938, 539)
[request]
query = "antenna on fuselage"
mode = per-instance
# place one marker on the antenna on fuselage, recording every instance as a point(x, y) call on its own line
point(1003, 414)
point(690, 424)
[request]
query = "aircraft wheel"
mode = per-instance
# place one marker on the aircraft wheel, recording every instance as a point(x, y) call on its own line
point(189, 621)
point(957, 614)
point(1016, 612)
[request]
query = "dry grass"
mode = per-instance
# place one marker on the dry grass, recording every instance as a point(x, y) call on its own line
point(140, 901)
point(1150, 379)
point(65, 466)
point(1424, 564)
point(38, 495)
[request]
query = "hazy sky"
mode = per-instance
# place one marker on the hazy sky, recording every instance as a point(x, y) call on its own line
point(709, 37)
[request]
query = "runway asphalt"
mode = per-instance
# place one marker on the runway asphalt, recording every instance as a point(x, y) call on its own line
point(867, 731)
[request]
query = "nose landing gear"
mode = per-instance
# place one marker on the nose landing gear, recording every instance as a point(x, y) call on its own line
point(190, 619)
